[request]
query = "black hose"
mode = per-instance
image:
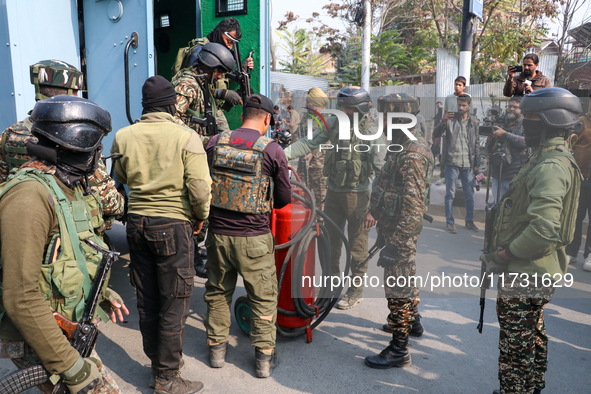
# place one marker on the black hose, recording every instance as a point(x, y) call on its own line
point(24, 379)
point(326, 299)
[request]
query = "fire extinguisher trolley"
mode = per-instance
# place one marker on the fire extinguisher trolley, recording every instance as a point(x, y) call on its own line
point(298, 233)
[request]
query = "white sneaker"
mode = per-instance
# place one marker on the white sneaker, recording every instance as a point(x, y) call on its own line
point(571, 259)
point(440, 182)
point(587, 265)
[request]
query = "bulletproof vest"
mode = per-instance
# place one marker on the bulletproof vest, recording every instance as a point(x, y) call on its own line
point(69, 264)
point(388, 191)
point(238, 181)
point(512, 218)
point(347, 167)
point(13, 144)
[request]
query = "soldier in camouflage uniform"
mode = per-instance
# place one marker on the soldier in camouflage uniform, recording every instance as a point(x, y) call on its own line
point(52, 78)
point(213, 60)
point(315, 101)
point(399, 200)
point(29, 334)
point(535, 222)
point(348, 172)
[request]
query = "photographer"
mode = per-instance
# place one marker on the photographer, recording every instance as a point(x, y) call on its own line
point(508, 145)
point(528, 80)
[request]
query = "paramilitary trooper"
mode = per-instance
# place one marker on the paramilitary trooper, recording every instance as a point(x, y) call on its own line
point(214, 60)
point(44, 206)
point(250, 179)
point(536, 220)
point(53, 78)
point(195, 93)
point(398, 201)
point(165, 167)
point(315, 102)
point(348, 170)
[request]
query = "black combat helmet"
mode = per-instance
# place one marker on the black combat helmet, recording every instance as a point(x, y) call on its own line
point(355, 97)
point(557, 107)
point(71, 122)
point(214, 56)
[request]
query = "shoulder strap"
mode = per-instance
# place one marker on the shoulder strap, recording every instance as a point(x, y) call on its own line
point(224, 138)
point(261, 143)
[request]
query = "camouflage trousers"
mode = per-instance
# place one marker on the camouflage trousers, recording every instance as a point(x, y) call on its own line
point(316, 184)
point(200, 237)
point(23, 356)
point(401, 291)
point(523, 343)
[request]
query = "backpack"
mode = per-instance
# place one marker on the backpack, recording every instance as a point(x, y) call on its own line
point(183, 56)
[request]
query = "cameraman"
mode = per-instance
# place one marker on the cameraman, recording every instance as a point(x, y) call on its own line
point(507, 145)
point(527, 81)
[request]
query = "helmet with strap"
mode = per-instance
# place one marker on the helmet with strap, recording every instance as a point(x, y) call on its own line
point(214, 56)
point(354, 97)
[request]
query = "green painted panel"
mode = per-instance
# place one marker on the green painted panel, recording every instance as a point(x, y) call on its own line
point(250, 25)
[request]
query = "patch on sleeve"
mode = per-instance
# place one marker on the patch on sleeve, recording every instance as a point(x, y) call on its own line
point(194, 144)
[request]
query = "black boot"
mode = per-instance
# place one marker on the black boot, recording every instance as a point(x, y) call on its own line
point(395, 355)
point(199, 264)
point(265, 363)
point(536, 391)
point(217, 355)
point(415, 331)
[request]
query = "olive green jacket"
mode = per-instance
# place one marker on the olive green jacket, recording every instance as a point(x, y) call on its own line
point(538, 213)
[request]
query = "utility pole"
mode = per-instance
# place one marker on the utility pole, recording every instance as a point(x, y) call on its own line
point(466, 43)
point(365, 50)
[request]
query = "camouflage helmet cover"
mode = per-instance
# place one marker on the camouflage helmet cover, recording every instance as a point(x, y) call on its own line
point(55, 73)
point(398, 102)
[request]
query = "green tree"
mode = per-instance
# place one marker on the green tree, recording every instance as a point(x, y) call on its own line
point(302, 52)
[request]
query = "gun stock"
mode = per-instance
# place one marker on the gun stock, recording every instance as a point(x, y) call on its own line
point(68, 327)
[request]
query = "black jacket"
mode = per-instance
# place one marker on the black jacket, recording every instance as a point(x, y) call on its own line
point(452, 127)
point(517, 151)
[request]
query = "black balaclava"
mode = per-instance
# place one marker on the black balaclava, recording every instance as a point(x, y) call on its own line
point(70, 166)
point(158, 95)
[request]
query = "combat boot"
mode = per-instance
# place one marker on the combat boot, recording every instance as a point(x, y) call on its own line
point(217, 355)
point(352, 297)
point(265, 363)
point(152, 383)
point(415, 331)
point(536, 391)
point(177, 385)
point(395, 355)
point(199, 265)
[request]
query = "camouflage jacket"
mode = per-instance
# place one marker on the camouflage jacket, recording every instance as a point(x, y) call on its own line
point(398, 198)
point(12, 143)
point(190, 102)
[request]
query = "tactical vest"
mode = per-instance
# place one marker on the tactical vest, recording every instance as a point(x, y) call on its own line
point(347, 167)
point(512, 218)
point(69, 264)
point(13, 145)
point(386, 198)
point(238, 181)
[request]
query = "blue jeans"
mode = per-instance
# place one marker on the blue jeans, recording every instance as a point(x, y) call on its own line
point(504, 187)
point(466, 174)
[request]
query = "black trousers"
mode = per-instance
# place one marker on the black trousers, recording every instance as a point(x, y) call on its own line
point(584, 208)
point(161, 252)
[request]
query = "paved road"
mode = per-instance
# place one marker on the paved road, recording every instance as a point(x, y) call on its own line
point(450, 358)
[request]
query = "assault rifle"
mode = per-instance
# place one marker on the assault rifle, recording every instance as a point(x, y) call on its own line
point(208, 122)
point(491, 212)
point(83, 334)
point(380, 242)
point(240, 75)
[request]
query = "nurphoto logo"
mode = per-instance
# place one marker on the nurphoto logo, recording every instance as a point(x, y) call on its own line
point(345, 127)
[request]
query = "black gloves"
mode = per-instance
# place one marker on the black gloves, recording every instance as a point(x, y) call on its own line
point(230, 97)
point(388, 256)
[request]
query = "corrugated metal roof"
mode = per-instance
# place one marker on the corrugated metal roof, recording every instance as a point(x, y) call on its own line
point(293, 82)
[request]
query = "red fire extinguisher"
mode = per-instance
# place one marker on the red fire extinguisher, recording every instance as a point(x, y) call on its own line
point(299, 309)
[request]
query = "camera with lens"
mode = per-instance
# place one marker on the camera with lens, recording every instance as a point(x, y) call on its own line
point(282, 137)
point(495, 117)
